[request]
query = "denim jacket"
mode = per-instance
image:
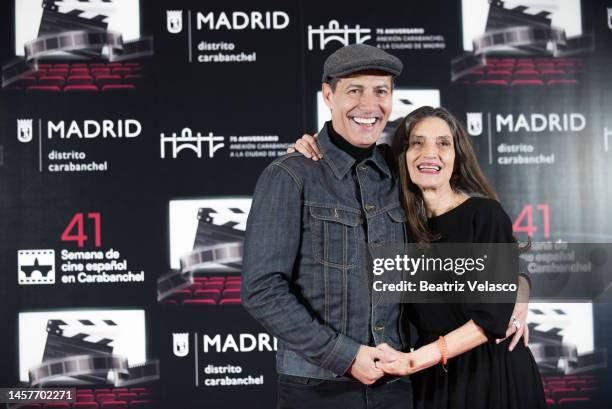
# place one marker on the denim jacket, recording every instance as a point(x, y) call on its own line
point(303, 276)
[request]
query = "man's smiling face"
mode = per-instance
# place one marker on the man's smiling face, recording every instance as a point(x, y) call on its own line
point(360, 106)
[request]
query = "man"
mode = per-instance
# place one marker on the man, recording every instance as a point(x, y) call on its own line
point(307, 231)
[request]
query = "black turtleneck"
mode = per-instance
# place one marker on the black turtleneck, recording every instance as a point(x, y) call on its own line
point(356, 152)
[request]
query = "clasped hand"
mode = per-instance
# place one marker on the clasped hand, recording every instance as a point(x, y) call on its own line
point(371, 363)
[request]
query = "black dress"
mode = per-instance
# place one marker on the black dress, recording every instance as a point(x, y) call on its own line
point(488, 376)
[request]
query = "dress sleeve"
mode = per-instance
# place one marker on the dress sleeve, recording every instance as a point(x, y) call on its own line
point(491, 225)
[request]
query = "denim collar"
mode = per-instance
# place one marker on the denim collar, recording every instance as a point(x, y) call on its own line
point(341, 162)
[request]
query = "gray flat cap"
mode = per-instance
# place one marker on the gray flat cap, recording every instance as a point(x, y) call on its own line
point(360, 57)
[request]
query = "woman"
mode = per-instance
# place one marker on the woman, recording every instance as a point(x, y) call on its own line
point(436, 166)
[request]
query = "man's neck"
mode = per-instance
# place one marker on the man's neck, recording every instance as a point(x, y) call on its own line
point(340, 142)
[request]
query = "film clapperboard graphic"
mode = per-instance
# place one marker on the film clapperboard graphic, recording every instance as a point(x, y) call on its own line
point(517, 31)
point(80, 351)
point(217, 227)
point(558, 344)
point(74, 30)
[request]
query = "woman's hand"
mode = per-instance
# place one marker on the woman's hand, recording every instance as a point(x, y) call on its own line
point(408, 363)
point(518, 321)
point(307, 146)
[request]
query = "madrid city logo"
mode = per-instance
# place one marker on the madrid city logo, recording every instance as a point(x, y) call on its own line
point(35, 267)
point(174, 21)
point(474, 123)
point(25, 130)
point(180, 344)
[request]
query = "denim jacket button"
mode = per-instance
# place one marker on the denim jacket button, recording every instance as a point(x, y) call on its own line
point(363, 168)
point(379, 328)
point(370, 207)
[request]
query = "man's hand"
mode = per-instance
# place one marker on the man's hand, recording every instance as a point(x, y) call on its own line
point(307, 146)
point(364, 366)
point(397, 363)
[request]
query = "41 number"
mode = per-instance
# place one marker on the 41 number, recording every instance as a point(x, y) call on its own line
point(75, 231)
point(524, 221)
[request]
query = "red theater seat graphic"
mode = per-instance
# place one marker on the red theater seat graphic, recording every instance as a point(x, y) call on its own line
point(64, 77)
point(208, 293)
point(114, 405)
point(107, 398)
point(226, 301)
point(117, 87)
point(127, 396)
point(209, 290)
point(560, 393)
point(574, 403)
point(44, 88)
point(204, 301)
point(570, 391)
point(62, 72)
point(85, 405)
point(216, 285)
point(499, 82)
point(231, 292)
point(105, 79)
point(525, 72)
point(79, 80)
point(141, 404)
point(56, 80)
point(563, 81)
point(80, 88)
point(527, 82)
point(100, 71)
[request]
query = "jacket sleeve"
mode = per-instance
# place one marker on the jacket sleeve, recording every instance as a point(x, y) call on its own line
point(271, 250)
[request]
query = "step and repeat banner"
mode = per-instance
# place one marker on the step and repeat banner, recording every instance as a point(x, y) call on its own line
point(132, 134)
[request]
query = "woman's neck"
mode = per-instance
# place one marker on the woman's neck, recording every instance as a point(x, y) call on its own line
point(440, 200)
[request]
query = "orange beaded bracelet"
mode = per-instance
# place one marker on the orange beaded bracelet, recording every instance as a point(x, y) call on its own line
point(443, 351)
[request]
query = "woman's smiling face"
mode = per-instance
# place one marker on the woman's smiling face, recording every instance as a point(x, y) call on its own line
point(430, 156)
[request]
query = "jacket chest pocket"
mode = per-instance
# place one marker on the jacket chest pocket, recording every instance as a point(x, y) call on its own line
point(397, 219)
point(334, 236)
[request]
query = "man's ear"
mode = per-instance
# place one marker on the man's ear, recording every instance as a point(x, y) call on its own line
point(327, 94)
